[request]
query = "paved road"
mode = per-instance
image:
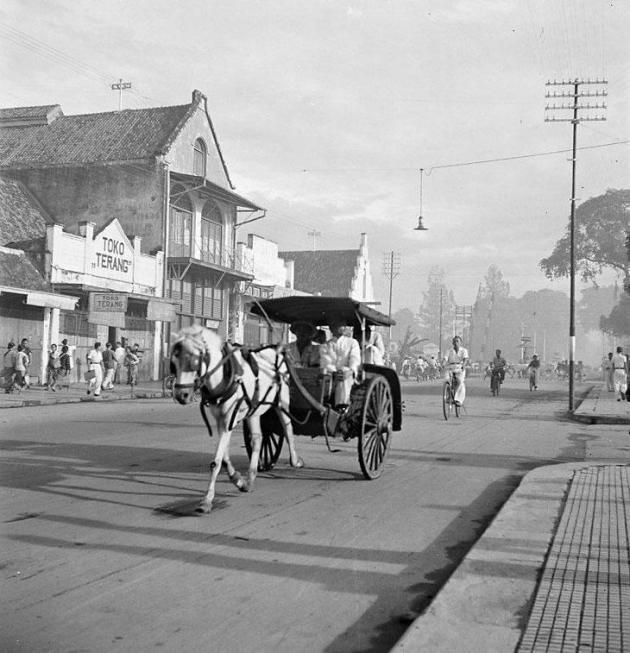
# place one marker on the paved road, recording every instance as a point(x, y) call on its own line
point(95, 558)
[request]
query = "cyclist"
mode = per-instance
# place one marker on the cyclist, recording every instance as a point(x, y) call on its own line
point(455, 365)
point(534, 369)
point(499, 364)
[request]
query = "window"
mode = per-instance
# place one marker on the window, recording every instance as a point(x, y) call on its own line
point(211, 234)
point(200, 156)
point(180, 235)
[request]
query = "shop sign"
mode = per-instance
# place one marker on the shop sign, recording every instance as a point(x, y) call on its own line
point(112, 255)
point(107, 308)
point(109, 302)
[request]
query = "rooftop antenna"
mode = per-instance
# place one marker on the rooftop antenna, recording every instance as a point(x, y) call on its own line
point(120, 87)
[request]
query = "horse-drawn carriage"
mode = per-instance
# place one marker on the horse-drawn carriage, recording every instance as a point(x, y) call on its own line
point(375, 408)
point(276, 400)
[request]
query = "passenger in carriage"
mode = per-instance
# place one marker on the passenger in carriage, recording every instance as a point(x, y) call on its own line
point(340, 357)
point(303, 352)
point(374, 351)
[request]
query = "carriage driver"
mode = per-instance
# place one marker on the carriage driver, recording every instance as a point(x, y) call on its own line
point(302, 352)
point(341, 357)
point(455, 362)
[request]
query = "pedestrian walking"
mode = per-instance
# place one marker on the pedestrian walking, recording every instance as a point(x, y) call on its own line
point(109, 363)
point(21, 366)
point(620, 373)
point(71, 350)
point(8, 366)
point(52, 368)
point(119, 354)
point(26, 380)
point(65, 366)
point(94, 375)
point(131, 361)
point(608, 372)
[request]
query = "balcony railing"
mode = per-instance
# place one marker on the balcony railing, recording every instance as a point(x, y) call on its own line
point(222, 258)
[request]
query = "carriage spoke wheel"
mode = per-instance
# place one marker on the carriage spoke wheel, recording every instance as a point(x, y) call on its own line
point(375, 428)
point(273, 433)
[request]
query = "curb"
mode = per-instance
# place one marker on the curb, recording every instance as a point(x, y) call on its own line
point(29, 403)
point(485, 604)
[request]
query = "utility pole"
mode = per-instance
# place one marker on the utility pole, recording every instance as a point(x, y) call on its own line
point(391, 269)
point(564, 110)
point(314, 234)
point(120, 87)
point(440, 334)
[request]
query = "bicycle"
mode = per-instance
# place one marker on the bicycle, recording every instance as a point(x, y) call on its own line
point(495, 382)
point(448, 398)
point(167, 385)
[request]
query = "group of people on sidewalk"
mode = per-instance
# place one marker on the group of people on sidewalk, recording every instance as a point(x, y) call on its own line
point(16, 364)
point(105, 367)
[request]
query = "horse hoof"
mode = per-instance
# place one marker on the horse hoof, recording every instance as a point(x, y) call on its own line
point(203, 508)
point(298, 464)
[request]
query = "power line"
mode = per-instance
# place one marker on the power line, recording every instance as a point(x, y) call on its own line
point(469, 163)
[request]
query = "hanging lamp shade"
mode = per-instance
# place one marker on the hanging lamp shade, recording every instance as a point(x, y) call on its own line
point(420, 226)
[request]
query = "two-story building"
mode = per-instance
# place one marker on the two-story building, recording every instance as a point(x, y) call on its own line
point(157, 178)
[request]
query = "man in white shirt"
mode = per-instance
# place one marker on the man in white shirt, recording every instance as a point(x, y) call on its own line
point(341, 357)
point(119, 356)
point(620, 373)
point(94, 360)
point(455, 364)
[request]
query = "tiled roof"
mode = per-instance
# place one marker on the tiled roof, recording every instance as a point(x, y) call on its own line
point(21, 218)
point(329, 272)
point(90, 138)
point(27, 113)
point(17, 271)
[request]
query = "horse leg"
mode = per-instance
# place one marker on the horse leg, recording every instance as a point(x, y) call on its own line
point(256, 442)
point(234, 475)
point(205, 505)
point(294, 459)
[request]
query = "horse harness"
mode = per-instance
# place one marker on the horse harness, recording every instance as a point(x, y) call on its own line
point(233, 380)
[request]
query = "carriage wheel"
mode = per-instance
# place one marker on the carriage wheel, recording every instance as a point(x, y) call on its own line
point(377, 419)
point(447, 405)
point(273, 433)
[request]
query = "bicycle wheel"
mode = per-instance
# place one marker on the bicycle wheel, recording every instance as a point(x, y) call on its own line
point(167, 385)
point(447, 404)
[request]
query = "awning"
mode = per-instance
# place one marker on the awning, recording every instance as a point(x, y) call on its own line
point(42, 298)
point(201, 184)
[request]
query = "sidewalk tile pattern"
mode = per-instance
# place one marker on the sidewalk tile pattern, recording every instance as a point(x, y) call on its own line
point(583, 600)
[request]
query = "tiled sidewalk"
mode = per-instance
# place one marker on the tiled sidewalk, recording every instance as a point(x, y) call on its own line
point(583, 600)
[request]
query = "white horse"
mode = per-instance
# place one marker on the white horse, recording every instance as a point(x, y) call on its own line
point(234, 387)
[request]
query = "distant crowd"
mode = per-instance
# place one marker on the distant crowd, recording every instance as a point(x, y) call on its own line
point(105, 367)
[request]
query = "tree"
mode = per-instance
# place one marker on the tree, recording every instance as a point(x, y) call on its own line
point(437, 301)
point(618, 322)
point(601, 228)
point(594, 303)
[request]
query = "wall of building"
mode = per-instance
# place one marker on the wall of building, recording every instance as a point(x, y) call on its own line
point(180, 155)
point(133, 193)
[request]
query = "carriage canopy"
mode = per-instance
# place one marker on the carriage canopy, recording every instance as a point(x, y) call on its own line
point(320, 310)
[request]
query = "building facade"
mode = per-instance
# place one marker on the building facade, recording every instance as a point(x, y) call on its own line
point(157, 178)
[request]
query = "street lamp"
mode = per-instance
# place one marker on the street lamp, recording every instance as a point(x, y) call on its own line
point(420, 226)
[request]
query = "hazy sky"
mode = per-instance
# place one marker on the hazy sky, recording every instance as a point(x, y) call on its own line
point(327, 110)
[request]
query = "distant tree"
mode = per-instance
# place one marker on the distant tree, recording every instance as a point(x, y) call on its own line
point(437, 301)
point(601, 230)
point(618, 322)
point(494, 284)
point(595, 303)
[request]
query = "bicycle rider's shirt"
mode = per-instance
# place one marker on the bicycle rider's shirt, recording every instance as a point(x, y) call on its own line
point(456, 359)
point(498, 363)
